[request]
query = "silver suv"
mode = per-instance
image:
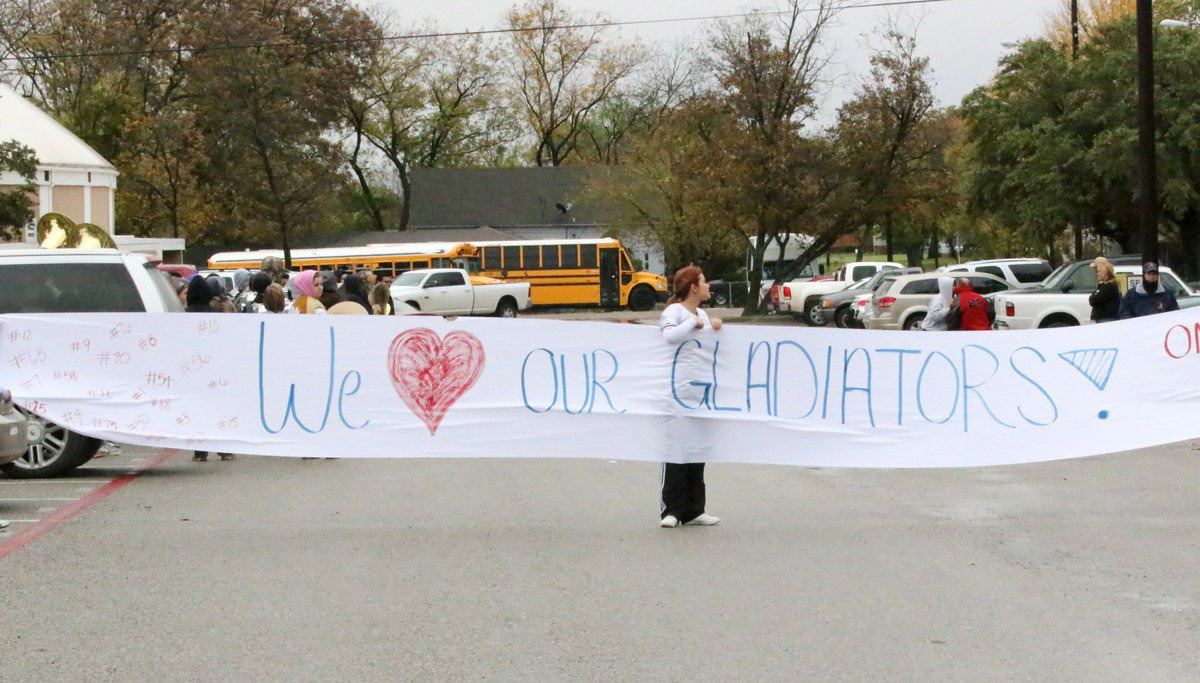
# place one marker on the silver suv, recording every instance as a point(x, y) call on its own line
point(73, 281)
point(1018, 272)
point(903, 304)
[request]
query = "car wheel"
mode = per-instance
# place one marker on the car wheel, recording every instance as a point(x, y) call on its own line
point(507, 309)
point(812, 315)
point(913, 323)
point(844, 317)
point(1058, 323)
point(53, 450)
point(641, 298)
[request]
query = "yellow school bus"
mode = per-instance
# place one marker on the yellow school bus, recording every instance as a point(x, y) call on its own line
point(573, 272)
point(389, 259)
point(577, 272)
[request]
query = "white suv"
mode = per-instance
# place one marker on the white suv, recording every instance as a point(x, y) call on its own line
point(73, 281)
point(1018, 272)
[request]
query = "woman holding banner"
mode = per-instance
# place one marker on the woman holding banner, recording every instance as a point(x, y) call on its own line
point(683, 483)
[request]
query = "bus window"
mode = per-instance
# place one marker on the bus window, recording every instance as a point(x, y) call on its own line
point(491, 258)
point(587, 255)
point(570, 256)
point(512, 258)
point(419, 264)
point(442, 263)
point(529, 258)
point(626, 269)
point(550, 257)
point(625, 261)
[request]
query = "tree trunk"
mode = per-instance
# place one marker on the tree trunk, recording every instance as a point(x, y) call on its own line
point(406, 193)
point(887, 237)
point(1189, 240)
point(368, 195)
point(755, 302)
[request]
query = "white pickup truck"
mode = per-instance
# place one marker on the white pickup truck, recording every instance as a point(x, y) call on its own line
point(452, 291)
point(1062, 299)
point(803, 297)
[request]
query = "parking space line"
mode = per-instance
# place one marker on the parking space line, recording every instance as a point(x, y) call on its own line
point(17, 500)
point(23, 521)
point(64, 513)
point(61, 482)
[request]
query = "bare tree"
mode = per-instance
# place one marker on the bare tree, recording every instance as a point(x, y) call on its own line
point(561, 75)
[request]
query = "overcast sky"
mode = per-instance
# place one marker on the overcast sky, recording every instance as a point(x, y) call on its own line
point(962, 38)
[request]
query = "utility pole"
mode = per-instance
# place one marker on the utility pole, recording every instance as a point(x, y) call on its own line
point(1075, 58)
point(1147, 155)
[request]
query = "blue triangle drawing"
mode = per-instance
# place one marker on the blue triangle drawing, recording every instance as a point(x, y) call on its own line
point(1095, 364)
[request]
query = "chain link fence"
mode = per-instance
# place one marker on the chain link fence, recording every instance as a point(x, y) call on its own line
point(728, 294)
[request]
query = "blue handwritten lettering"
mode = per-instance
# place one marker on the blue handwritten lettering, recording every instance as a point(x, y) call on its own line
point(1012, 360)
point(969, 388)
point(524, 376)
point(847, 356)
point(921, 384)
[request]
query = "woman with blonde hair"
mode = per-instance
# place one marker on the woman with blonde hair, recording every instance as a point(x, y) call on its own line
point(381, 300)
point(1106, 300)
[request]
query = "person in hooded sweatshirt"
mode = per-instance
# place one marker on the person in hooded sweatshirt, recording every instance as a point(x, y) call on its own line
point(199, 300)
point(974, 308)
point(1149, 297)
point(354, 289)
point(939, 307)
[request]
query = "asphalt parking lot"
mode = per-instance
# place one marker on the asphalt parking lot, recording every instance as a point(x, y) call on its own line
point(276, 568)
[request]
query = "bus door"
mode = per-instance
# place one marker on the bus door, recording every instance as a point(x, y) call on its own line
point(610, 274)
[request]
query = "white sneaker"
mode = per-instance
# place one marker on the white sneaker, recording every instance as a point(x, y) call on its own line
point(705, 519)
point(669, 522)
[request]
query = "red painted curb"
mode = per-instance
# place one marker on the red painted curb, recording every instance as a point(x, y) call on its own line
point(71, 509)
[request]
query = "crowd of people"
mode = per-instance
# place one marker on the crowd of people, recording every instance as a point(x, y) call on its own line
point(957, 306)
point(274, 290)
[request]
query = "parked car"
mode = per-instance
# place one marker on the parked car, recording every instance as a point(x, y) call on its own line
point(1018, 272)
point(74, 281)
point(803, 299)
point(1062, 300)
point(839, 307)
point(13, 429)
point(902, 305)
point(451, 291)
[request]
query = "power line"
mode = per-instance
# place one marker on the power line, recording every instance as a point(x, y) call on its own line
point(446, 34)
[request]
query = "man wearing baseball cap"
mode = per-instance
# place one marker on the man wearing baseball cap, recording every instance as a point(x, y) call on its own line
point(1149, 297)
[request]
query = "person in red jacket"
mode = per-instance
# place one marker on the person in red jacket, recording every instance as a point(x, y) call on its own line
point(973, 308)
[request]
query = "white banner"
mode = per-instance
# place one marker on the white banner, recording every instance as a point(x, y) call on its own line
point(358, 386)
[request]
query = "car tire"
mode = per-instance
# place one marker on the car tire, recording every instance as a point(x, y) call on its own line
point(1058, 323)
point(844, 317)
point(812, 313)
point(506, 309)
point(53, 450)
point(641, 298)
point(913, 322)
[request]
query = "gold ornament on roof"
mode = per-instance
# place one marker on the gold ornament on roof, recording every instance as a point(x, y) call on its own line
point(56, 231)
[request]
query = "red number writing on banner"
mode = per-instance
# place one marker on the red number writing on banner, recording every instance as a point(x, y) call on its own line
point(119, 330)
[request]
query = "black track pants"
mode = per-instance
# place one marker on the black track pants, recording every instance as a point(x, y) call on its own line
point(683, 491)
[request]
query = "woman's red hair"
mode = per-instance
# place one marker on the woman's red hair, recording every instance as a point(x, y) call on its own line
point(681, 285)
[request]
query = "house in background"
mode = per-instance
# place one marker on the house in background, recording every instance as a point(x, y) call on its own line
point(525, 203)
point(72, 178)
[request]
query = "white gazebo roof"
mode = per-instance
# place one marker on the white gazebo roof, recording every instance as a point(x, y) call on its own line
point(54, 145)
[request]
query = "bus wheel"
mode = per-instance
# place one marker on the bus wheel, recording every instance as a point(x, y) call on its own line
point(641, 298)
point(507, 309)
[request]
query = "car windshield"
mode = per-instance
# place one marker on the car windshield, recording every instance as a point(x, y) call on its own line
point(1055, 278)
point(68, 288)
point(409, 279)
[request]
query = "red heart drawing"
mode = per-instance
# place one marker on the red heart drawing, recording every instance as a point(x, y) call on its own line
point(430, 373)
